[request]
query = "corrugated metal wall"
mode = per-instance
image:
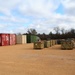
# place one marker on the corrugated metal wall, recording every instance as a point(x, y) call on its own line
point(28, 39)
point(24, 39)
point(0, 39)
point(21, 39)
point(12, 39)
point(31, 38)
point(4, 39)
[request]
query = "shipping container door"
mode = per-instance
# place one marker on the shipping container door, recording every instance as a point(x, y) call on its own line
point(14, 39)
point(28, 38)
point(10, 39)
point(19, 39)
point(31, 38)
point(3, 40)
point(0, 40)
point(23, 39)
point(7, 39)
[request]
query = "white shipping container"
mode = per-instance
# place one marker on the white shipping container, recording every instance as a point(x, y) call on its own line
point(24, 39)
point(21, 39)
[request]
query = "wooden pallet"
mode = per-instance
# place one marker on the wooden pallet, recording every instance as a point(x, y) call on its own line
point(38, 45)
point(54, 42)
point(46, 44)
point(66, 45)
point(51, 43)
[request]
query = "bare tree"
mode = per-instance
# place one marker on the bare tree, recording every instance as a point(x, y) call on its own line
point(72, 31)
point(32, 31)
point(62, 30)
point(57, 30)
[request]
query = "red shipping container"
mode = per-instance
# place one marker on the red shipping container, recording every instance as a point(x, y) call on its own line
point(12, 39)
point(4, 39)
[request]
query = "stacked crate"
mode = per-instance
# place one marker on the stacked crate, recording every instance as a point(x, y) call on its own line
point(73, 41)
point(46, 44)
point(51, 43)
point(54, 42)
point(38, 45)
point(66, 45)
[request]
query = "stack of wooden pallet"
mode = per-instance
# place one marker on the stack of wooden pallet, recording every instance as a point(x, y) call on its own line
point(54, 42)
point(66, 45)
point(46, 44)
point(38, 45)
point(51, 43)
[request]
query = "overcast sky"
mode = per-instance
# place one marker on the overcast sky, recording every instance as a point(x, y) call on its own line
point(43, 15)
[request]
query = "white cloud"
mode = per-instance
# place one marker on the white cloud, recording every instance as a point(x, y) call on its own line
point(7, 5)
point(38, 7)
point(38, 10)
point(69, 7)
point(13, 19)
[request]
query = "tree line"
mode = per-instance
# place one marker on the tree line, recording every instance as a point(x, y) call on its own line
point(59, 34)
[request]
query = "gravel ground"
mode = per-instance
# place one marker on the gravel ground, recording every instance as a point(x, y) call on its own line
point(24, 60)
